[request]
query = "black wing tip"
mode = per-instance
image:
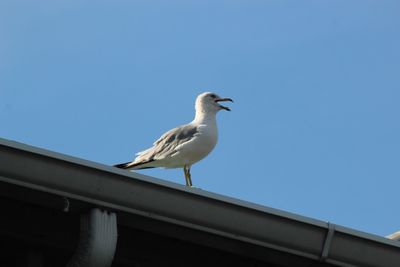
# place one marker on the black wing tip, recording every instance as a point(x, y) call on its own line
point(128, 165)
point(122, 165)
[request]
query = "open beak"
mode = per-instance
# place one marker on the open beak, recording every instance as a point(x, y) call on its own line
point(224, 100)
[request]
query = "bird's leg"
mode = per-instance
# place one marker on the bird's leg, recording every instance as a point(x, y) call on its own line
point(189, 176)
point(186, 177)
point(186, 170)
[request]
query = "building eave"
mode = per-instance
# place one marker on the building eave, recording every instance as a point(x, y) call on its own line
point(232, 219)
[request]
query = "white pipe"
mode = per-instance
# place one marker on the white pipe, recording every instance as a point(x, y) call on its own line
point(97, 241)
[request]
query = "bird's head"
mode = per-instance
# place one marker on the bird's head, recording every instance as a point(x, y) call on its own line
point(210, 102)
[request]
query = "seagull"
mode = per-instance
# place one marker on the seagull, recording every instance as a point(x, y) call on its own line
point(185, 145)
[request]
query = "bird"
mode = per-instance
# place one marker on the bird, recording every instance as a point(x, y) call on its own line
point(187, 144)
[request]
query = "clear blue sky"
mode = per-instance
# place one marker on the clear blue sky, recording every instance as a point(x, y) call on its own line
point(314, 129)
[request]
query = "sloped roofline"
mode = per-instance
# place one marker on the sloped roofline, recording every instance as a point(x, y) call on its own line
point(193, 208)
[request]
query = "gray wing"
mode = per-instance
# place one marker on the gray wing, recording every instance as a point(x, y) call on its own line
point(166, 144)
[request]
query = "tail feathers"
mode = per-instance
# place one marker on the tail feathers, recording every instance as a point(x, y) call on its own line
point(132, 165)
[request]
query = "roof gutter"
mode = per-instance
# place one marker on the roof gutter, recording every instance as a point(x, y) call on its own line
point(133, 193)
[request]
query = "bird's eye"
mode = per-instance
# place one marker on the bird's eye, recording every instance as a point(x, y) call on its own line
point(213, 96)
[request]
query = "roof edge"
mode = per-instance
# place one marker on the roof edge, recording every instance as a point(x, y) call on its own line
point(99, 184)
